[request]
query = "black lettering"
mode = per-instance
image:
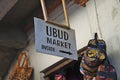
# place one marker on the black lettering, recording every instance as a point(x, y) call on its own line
point(44, 47)
point(62, 44)
point(69, 45)
point(66, 36)
point(60, 34)
point(54, 32)
point(65, 44)
point(49, 40)
point(48, 31)
point(58, 43)
point(48, 48)
point(57, 33)
point(54, 41)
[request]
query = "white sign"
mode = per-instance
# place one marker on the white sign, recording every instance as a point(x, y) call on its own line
point(51, 39)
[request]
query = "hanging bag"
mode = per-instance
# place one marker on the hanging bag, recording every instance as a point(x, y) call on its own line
point(22, 71)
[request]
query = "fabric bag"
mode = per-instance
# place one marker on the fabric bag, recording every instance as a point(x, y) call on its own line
point(21, 71)
point(106, 71)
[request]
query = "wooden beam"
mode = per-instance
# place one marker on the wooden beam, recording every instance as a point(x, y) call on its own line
point(65, 13)
point(62, 63)
point(58, 67)
point(44, 10)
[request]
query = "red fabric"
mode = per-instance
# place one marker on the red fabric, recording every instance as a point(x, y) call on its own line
point(59, 77)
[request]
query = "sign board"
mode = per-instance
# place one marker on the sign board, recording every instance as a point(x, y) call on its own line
point(51, 39)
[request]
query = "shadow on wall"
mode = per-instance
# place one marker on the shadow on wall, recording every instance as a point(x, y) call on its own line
point(7, 56)
point(113, 51)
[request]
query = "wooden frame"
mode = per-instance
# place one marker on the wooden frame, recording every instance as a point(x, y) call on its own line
point(52, 22)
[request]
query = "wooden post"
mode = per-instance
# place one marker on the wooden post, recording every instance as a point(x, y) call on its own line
point(65, 13)
point(67, 26)
point(44, 10)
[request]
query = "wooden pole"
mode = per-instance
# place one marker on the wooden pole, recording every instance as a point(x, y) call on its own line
point(67, 26)
point(65, 13)
point(44, 10)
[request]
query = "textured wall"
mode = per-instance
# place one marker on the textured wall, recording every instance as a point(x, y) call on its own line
point(12, 37)
point(7, 55)
point(11, 40)
point(85, 23)
point(109, 17)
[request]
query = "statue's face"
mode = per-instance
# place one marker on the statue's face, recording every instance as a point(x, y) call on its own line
point(94, 56)
point(95, 53)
